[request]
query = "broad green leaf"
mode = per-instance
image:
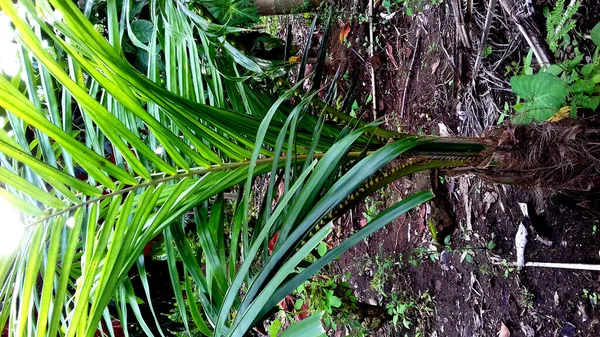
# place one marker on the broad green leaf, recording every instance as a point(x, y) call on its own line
point(142, 29)
point(554, 69)
point(335, 301)
point(274, 328)
point(595, 34)
point(322, 248)
point(543, 93)
point(308, 327)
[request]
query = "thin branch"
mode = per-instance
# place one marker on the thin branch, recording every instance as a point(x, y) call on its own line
point(469, 16)
point(532, 36)
point(371, 53)
point(460, 23)
point(410, 70)
point(486, 30)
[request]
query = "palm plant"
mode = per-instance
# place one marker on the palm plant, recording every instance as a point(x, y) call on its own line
point(100, 159)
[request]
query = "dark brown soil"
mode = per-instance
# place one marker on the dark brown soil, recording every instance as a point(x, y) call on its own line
point(473, 295)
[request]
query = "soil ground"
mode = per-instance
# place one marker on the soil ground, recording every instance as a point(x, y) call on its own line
point(473, 293)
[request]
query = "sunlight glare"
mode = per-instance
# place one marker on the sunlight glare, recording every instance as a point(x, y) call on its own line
point(11, 228)
point(9, 56)
point(70, 222)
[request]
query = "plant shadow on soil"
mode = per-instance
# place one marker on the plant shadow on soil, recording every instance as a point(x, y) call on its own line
point(473, 295)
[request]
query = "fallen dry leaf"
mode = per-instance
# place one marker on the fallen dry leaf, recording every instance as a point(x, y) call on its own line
point(375, 61)
point(344, 33)
point(504, 332)
point(387, 16)
point(390, 53)
point(584, 316)
point(527, 330)
point(560, 114)
point(443, 130)
point(434, 66)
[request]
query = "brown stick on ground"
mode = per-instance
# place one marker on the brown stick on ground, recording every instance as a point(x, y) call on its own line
point(460, 23)
point(410, 70)
point(371, 53)
point(486, 30)
point(530, 32)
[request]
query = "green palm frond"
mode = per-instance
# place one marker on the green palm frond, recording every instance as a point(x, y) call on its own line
point(101, 159)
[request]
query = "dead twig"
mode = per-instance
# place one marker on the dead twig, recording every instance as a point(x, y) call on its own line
point(460, 23)
point(410, 70)
point(450, 61)
point(371, 53)
point(469, 16)
point(531, 34)
point(486, 30)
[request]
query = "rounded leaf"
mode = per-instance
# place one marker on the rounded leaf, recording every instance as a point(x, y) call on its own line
point(595, 33)
point(142, 29)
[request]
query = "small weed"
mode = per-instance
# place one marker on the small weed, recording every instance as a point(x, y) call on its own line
point(487, 51)
point(398, 308)
point(422, 253)
point(433, 47)
point(509, 268)
point(591, 296)
point(334, 297)
point(567, 86)
point(527, 299)
point(381, 274)
point(371, 208)
point(467, 254)
point(485, 270)
point(410, 6)
point(363, 263)
point(559, 24)
point(410, 311)
point(561, 89)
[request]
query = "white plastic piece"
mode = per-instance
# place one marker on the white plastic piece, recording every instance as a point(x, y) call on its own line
point(520, 243)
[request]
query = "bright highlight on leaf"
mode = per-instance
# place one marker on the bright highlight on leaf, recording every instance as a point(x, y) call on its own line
point(11, 228)
point(9, 58)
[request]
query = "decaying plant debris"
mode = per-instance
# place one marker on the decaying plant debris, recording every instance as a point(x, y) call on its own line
point(560, 156)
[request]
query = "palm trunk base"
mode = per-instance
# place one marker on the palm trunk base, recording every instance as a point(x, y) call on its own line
point(563, 155)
